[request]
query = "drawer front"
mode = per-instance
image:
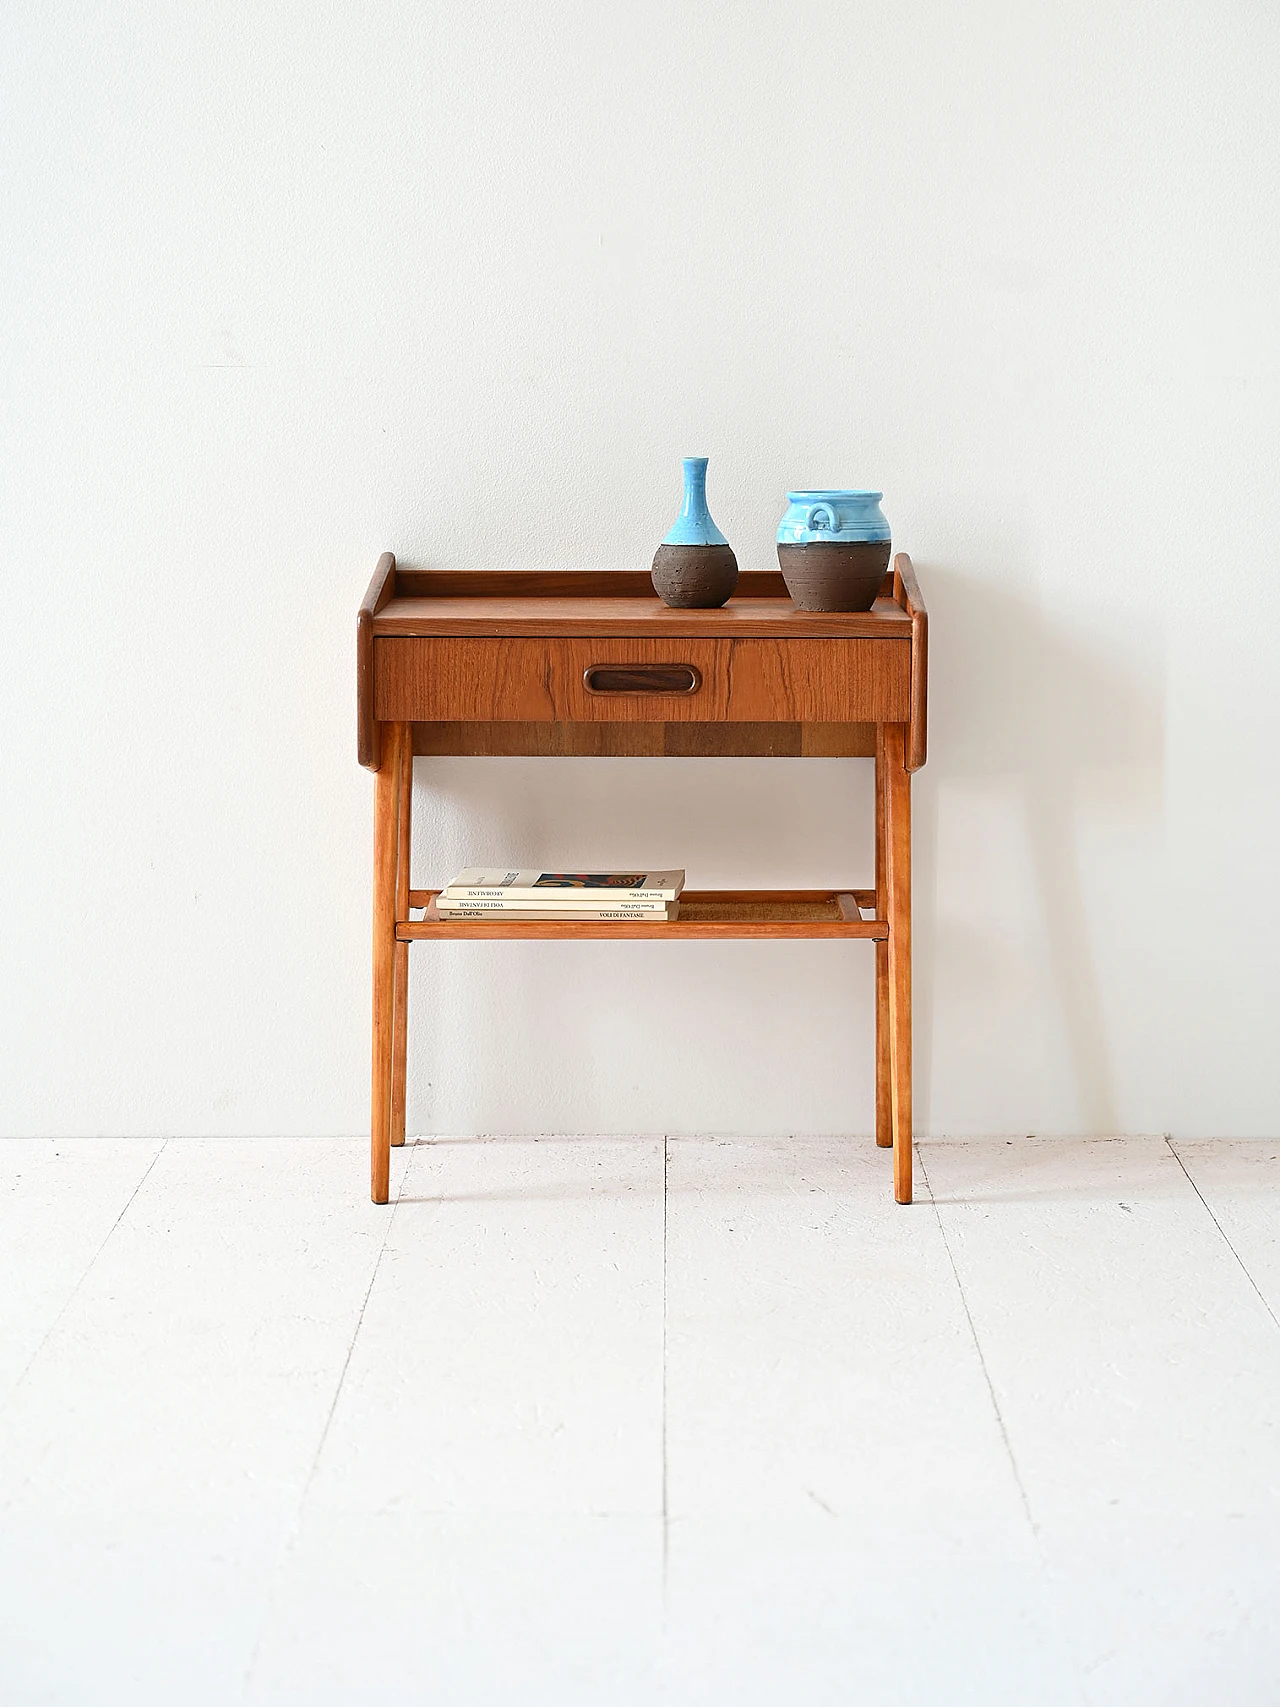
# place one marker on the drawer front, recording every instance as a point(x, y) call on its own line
point(458, 678)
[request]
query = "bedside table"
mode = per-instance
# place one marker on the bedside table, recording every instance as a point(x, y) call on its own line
point(584, 663)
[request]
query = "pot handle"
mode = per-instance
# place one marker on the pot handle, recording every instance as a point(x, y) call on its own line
point(822, 519)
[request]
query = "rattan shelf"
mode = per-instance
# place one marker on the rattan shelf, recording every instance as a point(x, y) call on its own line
point(708, 915)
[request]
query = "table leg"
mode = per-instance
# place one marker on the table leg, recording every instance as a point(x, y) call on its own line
point(884, 1091)
point(898, 860)
point(385, 838)
point(400, 1037)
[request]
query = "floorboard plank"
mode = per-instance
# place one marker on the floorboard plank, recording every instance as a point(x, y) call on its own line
point(812, 1322)
point(153, 1461)
point(844, 1514)
point(510, 1358)
point(1138, 1376)
point(59, 1200)
point(397, 1606)
point(1239, 1180)
point(492, 1477)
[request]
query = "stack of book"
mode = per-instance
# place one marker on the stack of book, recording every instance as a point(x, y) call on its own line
point(644, 897)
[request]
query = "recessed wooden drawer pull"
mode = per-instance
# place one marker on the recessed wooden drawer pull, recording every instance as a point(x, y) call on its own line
point(641, 678)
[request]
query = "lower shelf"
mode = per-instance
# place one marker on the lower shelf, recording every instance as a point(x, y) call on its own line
point(706, 914)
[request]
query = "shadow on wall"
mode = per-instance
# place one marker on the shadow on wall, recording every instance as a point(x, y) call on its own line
point(1046, 754)
point(1068, 716)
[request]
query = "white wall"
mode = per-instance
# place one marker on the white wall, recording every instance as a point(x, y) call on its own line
point(285, 286)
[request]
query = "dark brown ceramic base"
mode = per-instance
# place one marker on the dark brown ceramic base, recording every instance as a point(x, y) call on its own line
point(836, 576)
point(694, 577)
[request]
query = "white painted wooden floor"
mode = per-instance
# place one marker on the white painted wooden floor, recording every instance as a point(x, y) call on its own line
point(610, 1421)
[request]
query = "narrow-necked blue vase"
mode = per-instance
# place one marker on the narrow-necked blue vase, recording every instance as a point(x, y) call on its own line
point(694, 567)
point(694, 525)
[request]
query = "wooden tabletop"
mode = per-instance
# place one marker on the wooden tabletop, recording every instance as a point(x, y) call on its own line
point(630, 617)
point(563, 602)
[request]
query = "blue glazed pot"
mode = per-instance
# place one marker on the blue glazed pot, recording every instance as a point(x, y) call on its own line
point(834, 549)
point(694, 568)
point(826, 518)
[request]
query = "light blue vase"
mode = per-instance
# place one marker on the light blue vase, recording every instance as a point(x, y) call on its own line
point(694, 525)
point(832, 518)
point(694, 568)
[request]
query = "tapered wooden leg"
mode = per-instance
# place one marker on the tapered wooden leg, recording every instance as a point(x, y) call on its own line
point(898, 862)
point(385, 838)
point(400, 1037)
point(884, 1089)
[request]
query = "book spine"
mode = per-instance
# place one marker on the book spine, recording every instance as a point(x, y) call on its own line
point(445, 906)
point(562, 897)
point(449, 903)
point(561, 916)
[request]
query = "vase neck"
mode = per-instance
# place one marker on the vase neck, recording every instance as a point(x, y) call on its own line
point(694, 507)
point(694, 525)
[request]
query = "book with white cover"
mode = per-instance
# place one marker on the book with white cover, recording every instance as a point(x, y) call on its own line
point(590, 888)
point(659, 914)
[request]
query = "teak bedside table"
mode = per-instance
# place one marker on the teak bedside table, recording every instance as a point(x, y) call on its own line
point(569, 663)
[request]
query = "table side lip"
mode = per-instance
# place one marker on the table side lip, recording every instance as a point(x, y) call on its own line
point(906, 591)
point(380, 591)
point(382, 587)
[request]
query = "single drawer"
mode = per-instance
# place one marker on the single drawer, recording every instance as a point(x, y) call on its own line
point(460, 678)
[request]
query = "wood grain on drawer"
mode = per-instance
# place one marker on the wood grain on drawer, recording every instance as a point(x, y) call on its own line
point(472, 679)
